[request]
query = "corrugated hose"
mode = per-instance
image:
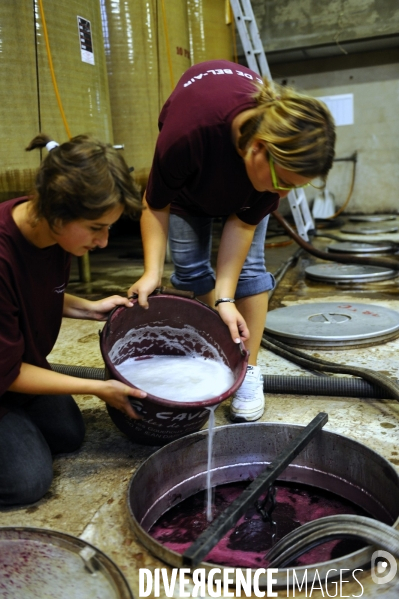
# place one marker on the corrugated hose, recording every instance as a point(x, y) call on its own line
point(301, 385)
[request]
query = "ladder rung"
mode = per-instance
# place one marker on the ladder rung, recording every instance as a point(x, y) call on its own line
point(249, 34)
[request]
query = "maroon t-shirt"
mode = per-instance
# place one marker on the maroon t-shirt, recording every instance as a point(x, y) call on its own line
point(196, 168)
point(32, 286)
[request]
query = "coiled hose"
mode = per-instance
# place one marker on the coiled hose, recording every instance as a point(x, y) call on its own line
point(341, 526)
point(388, 385)
point(391, 263)
point(298, 385)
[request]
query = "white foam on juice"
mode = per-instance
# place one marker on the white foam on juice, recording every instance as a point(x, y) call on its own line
point(141, 341)
point(178, 378)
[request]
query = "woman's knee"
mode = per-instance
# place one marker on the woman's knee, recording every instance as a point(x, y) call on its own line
point(26, 468)
point(26, 486)
point(190, 241)
point(70, 433)
point(60, 420)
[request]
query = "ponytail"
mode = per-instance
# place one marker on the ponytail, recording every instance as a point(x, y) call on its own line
point(297, 130)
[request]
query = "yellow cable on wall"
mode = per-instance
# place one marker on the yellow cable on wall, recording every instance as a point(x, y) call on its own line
point(50, 62)
point(165, 25)
point(233, 29)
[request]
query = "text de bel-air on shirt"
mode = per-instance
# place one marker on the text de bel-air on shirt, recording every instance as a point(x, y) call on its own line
point(196, 167)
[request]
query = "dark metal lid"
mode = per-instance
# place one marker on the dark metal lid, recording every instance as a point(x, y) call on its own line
point(369, 229)
point(371, 218)
point(356, 273)
point(359, 247)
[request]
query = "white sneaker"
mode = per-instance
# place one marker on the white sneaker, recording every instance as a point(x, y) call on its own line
point(248, 402)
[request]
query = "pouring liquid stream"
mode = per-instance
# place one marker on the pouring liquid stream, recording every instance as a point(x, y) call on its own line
point(209, 490)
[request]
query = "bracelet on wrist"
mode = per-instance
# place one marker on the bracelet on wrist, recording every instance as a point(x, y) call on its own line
point(225, 299)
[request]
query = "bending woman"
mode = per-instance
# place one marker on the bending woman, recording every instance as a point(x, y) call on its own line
point(82, 187)
point(230, 145)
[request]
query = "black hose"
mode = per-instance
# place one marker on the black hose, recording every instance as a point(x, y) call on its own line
point(81, 372)
point(388, 385)
point(336, 256)
point(325, 385)
point(296, 385)
point(280, 272)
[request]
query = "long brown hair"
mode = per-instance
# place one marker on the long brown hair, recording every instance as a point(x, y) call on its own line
point(298, 130)
point(82, 178)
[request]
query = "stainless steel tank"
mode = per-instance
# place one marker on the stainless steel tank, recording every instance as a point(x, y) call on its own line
point(28, 102)
point(241, 452)
point(147, 50)
point(211, 30)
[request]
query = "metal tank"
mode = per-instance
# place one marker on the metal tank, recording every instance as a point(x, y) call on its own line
point(19, 114)
point(77, 49)
point(28, 101)
point(331, 462)
point(211, 26)
point(147, 51)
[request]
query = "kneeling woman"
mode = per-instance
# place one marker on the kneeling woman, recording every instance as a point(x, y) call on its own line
point(82, 187)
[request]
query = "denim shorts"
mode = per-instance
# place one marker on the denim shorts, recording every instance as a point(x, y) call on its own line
point(190, 243)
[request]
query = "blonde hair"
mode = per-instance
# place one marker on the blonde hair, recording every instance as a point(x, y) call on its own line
point(298, 130)
point(82, 178)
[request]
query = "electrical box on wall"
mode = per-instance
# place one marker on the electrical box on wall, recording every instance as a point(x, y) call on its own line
point(341, 107)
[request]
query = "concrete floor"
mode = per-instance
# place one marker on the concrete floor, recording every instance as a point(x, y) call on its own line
point(88, 496)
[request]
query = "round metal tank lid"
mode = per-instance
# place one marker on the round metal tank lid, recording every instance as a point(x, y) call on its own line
point(44, 564)
point(371, 218)
point(332, 324)
point(359, 247)
point(369, 229)
point(356, 273)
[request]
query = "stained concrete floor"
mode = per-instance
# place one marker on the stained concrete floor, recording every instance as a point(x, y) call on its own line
point(88, 496)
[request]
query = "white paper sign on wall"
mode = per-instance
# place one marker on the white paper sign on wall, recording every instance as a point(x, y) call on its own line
point(341, 107)
point(85, 39)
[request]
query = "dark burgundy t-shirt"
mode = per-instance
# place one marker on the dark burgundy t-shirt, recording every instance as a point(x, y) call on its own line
point(32, 286)
point(196, 167)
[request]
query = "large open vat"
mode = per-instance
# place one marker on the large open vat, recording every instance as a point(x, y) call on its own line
point(330, 462)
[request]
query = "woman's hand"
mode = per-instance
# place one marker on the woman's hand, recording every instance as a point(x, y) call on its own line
point(154, 226)
point(81, 308)
point(101, 308)
point(33, 380)
point(116, 394)
point(143, 287)
point(232, 317)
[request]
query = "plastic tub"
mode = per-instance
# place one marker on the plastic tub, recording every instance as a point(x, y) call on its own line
point(172, 325)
